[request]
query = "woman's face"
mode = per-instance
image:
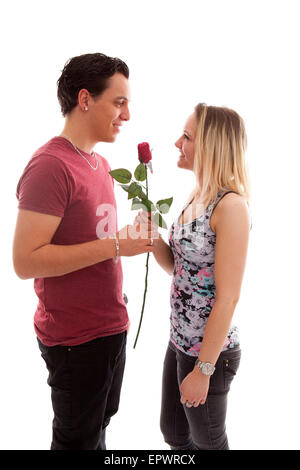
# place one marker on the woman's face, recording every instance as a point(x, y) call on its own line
point(186, 144)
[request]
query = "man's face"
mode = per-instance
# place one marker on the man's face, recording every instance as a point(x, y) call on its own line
point(108, 111)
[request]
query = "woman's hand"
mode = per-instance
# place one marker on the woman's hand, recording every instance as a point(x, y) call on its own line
point(194, 388)
point(144, 220)
point(162, 252)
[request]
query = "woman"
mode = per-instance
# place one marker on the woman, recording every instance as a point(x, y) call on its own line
point(206, 256)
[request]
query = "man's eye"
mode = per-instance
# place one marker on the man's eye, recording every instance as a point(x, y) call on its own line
point(120, 103)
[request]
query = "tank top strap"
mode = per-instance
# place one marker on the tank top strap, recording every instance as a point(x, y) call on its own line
point(211, 207)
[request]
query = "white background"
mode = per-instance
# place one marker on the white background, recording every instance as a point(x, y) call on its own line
point(237, 53)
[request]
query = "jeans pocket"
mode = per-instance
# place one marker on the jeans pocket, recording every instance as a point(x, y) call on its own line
point(230, 367)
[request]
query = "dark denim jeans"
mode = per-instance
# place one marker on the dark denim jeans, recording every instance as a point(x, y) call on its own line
point(85, 383)
point(203, 427)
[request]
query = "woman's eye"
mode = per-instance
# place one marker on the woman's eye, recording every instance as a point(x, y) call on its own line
point(186, 136)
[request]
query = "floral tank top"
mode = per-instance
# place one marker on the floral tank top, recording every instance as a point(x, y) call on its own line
point(193, 284)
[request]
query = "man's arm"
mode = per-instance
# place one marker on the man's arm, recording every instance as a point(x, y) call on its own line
point(35, 257)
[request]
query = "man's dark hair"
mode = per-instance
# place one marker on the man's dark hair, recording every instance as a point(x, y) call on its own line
point(89, 71)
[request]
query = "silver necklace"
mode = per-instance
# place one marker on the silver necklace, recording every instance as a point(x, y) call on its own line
point(93, 167)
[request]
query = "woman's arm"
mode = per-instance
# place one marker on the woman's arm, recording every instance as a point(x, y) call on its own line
point(232, 227)
point(162, 251)
point(163, 255)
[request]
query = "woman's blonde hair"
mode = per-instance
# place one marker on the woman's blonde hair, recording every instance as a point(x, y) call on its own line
point(220, 147)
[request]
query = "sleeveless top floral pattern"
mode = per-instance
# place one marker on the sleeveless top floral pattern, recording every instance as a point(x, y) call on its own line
point(193, 284)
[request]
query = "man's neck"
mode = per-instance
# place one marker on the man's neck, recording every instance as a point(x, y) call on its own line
point(78, 135)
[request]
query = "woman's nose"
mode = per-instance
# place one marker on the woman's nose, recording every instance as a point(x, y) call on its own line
point(178, 143)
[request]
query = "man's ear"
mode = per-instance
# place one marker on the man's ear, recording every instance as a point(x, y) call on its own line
point(83, 99)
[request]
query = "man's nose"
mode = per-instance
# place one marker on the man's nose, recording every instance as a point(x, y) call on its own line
point(125, 115)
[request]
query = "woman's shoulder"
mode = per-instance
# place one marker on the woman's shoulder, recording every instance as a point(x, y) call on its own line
point(231, 207)
point(232, 199)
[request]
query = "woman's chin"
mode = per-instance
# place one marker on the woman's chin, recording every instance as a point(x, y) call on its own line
point(181, 163)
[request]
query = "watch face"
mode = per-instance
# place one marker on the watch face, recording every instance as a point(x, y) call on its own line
point(207, 368)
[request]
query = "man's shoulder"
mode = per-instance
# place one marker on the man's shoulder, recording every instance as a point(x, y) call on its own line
point(53, 155)
point(55, 147)
point(58, 147)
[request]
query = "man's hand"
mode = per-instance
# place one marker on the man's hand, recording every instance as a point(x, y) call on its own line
point(194, 388)
point(135, 240)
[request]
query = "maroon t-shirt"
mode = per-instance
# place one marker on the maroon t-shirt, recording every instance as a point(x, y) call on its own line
point(88, 303)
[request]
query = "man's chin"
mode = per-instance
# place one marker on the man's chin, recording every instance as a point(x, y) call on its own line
point(109, 139)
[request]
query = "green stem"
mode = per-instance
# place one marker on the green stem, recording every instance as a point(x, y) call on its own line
point(146, 277)
point(145, 292)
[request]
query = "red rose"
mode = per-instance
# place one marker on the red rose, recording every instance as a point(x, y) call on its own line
point(144, 152)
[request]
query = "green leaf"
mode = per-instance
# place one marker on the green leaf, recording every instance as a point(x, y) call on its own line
point(121, 175)
point(134, 190)
point(137, 204)
point(149, 204)
point(125, 187)
point(140, 173)
point(164, 205)
point(144, 204)
point(158, 220)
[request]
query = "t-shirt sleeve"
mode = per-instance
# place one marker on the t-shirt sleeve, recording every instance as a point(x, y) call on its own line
point(44, 186)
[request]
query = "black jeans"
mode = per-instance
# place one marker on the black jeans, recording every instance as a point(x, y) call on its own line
point(203, 427)
point(85, 383)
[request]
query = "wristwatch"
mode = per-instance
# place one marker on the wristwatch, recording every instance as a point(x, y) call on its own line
point(206, 367)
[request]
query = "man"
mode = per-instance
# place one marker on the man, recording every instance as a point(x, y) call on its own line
point(66, 239)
